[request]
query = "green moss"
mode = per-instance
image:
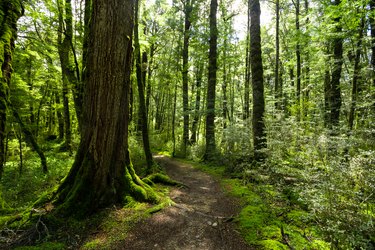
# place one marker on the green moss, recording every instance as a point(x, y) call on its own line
point(273, 245)
point(298, 218)
point(160, 178)
point(320, 244)
point(44, 246)
point(94, 244)
point(251, 220)
point(271, 232)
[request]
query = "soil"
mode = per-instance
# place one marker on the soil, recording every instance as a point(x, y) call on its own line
point(202, 217)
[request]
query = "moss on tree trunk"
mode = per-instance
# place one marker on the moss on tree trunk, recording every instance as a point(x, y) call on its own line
point(10, 12)
point(102, 173)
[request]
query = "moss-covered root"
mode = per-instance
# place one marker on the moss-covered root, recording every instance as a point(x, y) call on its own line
point(161, 179)
point(139, 189)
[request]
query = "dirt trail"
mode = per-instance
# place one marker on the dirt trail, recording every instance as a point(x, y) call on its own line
point(197, 221)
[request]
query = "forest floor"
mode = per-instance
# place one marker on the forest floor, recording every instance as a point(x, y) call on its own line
point(200, 218)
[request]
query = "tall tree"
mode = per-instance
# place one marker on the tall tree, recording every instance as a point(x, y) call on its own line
point(246, 111)
point(277, 58)
point(337, 68)
point(259, 134)
point(65, 32)
point(102, 173)
point(211, 87)
point(141, 82)
point(372, 26)
point(298, 58)
point(185, 70)
point(356, 74)
point(10, 12)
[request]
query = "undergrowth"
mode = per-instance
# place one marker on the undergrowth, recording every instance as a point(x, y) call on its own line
point(23, 226)
point(271, 217)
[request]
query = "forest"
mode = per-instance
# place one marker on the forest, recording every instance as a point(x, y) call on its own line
point(115, 114)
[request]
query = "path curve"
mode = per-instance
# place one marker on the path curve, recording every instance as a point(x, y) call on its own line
point(199, 220)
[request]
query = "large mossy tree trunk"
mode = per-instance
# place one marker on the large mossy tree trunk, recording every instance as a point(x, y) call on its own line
point(211, 87)
point(10, 12)
point(102, 173)
point(259, 134)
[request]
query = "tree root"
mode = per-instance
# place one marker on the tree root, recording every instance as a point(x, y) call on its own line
point(159, 178)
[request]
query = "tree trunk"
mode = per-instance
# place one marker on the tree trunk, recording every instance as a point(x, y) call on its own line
point(356, 75)
point(246, 111)
point(63, 49)
point(10, 12)
point(141, 80)
point(277, 59)
point(102, 173)
point(211, 87)
point(194, 127)
point(298, 56)
point(327, 98)
point(259, 134)
point(185, 70)
point(306, 91)
point(372, 26)
point(31, 140)
point(336, 71)
point(60, 118)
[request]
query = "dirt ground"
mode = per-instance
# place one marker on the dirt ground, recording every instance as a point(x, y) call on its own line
point(201, 218)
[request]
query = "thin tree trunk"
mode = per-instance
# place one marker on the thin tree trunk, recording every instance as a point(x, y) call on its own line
point(185, 70)
point(336, 72)
point(306, 91)
point(277, 59)
point(211, 87)
point(194, 127)
point(356, 75)
point(19, 137)
point(372, 27)
point(63, 49)
point(30, 138)
point(246, 112)
point(259, 134)
point(60, 118)
point(174, 120)
point(298, 56)
point(141, 79)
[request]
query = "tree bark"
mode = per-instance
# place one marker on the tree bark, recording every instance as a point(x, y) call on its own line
point(102, 173)
point(336, 71)
point(185, 70)
point(63, 49)
point(298, 57)
point(211, 87)
point(356, 75)
point(259, 134)
point(194, 127)
point(246, 111)
point(10, 12)
point(372, 27)
point(277, 59)
point(141, 80)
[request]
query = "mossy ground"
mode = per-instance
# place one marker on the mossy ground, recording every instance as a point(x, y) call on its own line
point(21, 193)
point(271, 217)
